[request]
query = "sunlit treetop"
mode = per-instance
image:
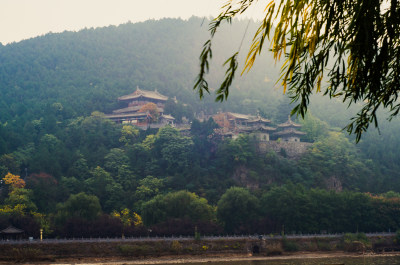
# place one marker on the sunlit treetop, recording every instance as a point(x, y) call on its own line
point(14, 181)
point(348, 49)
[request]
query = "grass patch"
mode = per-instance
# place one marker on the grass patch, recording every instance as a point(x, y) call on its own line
point(134, 250)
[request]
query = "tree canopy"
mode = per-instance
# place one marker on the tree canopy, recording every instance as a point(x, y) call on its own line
point(354, 44)
point(82, 170)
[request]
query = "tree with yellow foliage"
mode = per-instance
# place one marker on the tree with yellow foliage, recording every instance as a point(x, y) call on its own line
point(19, 199)
point(14, 181)
point(127, 218)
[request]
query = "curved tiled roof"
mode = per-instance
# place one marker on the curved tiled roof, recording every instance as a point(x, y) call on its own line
point(256, 128)
point(126, 115)
point(144, 94)
point(168, 117)
point(11, 230)
point(259, 119)
point(133, 109)
point(289, 123)
point(290, 131)
point(239, 116)
point(128, 109)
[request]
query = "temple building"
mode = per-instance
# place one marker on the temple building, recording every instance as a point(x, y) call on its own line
point(134, 113)
point(257, 126)
point(289, 132)
point(229, 120)
point(233, 124)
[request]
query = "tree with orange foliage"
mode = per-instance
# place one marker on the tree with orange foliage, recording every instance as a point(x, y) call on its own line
point(14, 180)
point(152, 109)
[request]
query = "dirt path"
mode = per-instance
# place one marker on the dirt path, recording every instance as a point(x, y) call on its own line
point(200, 259)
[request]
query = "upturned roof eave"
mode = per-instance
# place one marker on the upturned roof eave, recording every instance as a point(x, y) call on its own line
point(290, 133)
point(130, 97)
point(12, 230)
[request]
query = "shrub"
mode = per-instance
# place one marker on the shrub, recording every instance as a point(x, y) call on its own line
point(274, 250)
point(197, 235)
point(355, 242)
point(289, 245)
point(236, 245)
point(350, 237)
point(324, 246)
point(176, 246)
point(133, 250)
point(397, 238)
point(355, 246)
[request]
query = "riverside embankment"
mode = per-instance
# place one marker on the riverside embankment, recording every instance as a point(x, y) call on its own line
point(175, 248)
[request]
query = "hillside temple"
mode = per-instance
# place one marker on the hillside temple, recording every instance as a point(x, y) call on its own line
point(231, 124)
point(132, 114)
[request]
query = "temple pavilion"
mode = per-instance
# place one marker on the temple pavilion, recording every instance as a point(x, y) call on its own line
point(289, 132)
point(235, 123)
point(11, 232)
point(135, 101)
point(257, 126)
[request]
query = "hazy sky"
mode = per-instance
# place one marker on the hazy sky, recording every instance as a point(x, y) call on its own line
point(23, 19)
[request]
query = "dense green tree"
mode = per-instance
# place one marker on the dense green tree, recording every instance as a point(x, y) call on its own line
point(9, 163)
point(71, 185)
point(296, 209)
point(79, 205)
point(334, 156)
point(126, 178)
point(178, 205)
point(21, 196)
point(238, 151)
point(314, 128)
point(24, 157)
point(139, 158)
point(115, 197)
point(128, 134)
point(48, 155)
point(115, 159)
point(108, 191)
point(237, 206)
point(290, 207)
point(148, 188)
point(94, 136)
point(173, 152)
point(79, 168)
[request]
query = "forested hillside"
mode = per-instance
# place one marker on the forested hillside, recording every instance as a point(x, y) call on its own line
point(55, 89)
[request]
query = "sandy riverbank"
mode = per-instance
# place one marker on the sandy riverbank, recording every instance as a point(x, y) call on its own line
point(179, 259)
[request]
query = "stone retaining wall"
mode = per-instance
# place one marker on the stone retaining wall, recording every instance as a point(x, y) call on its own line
point(291, 150)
